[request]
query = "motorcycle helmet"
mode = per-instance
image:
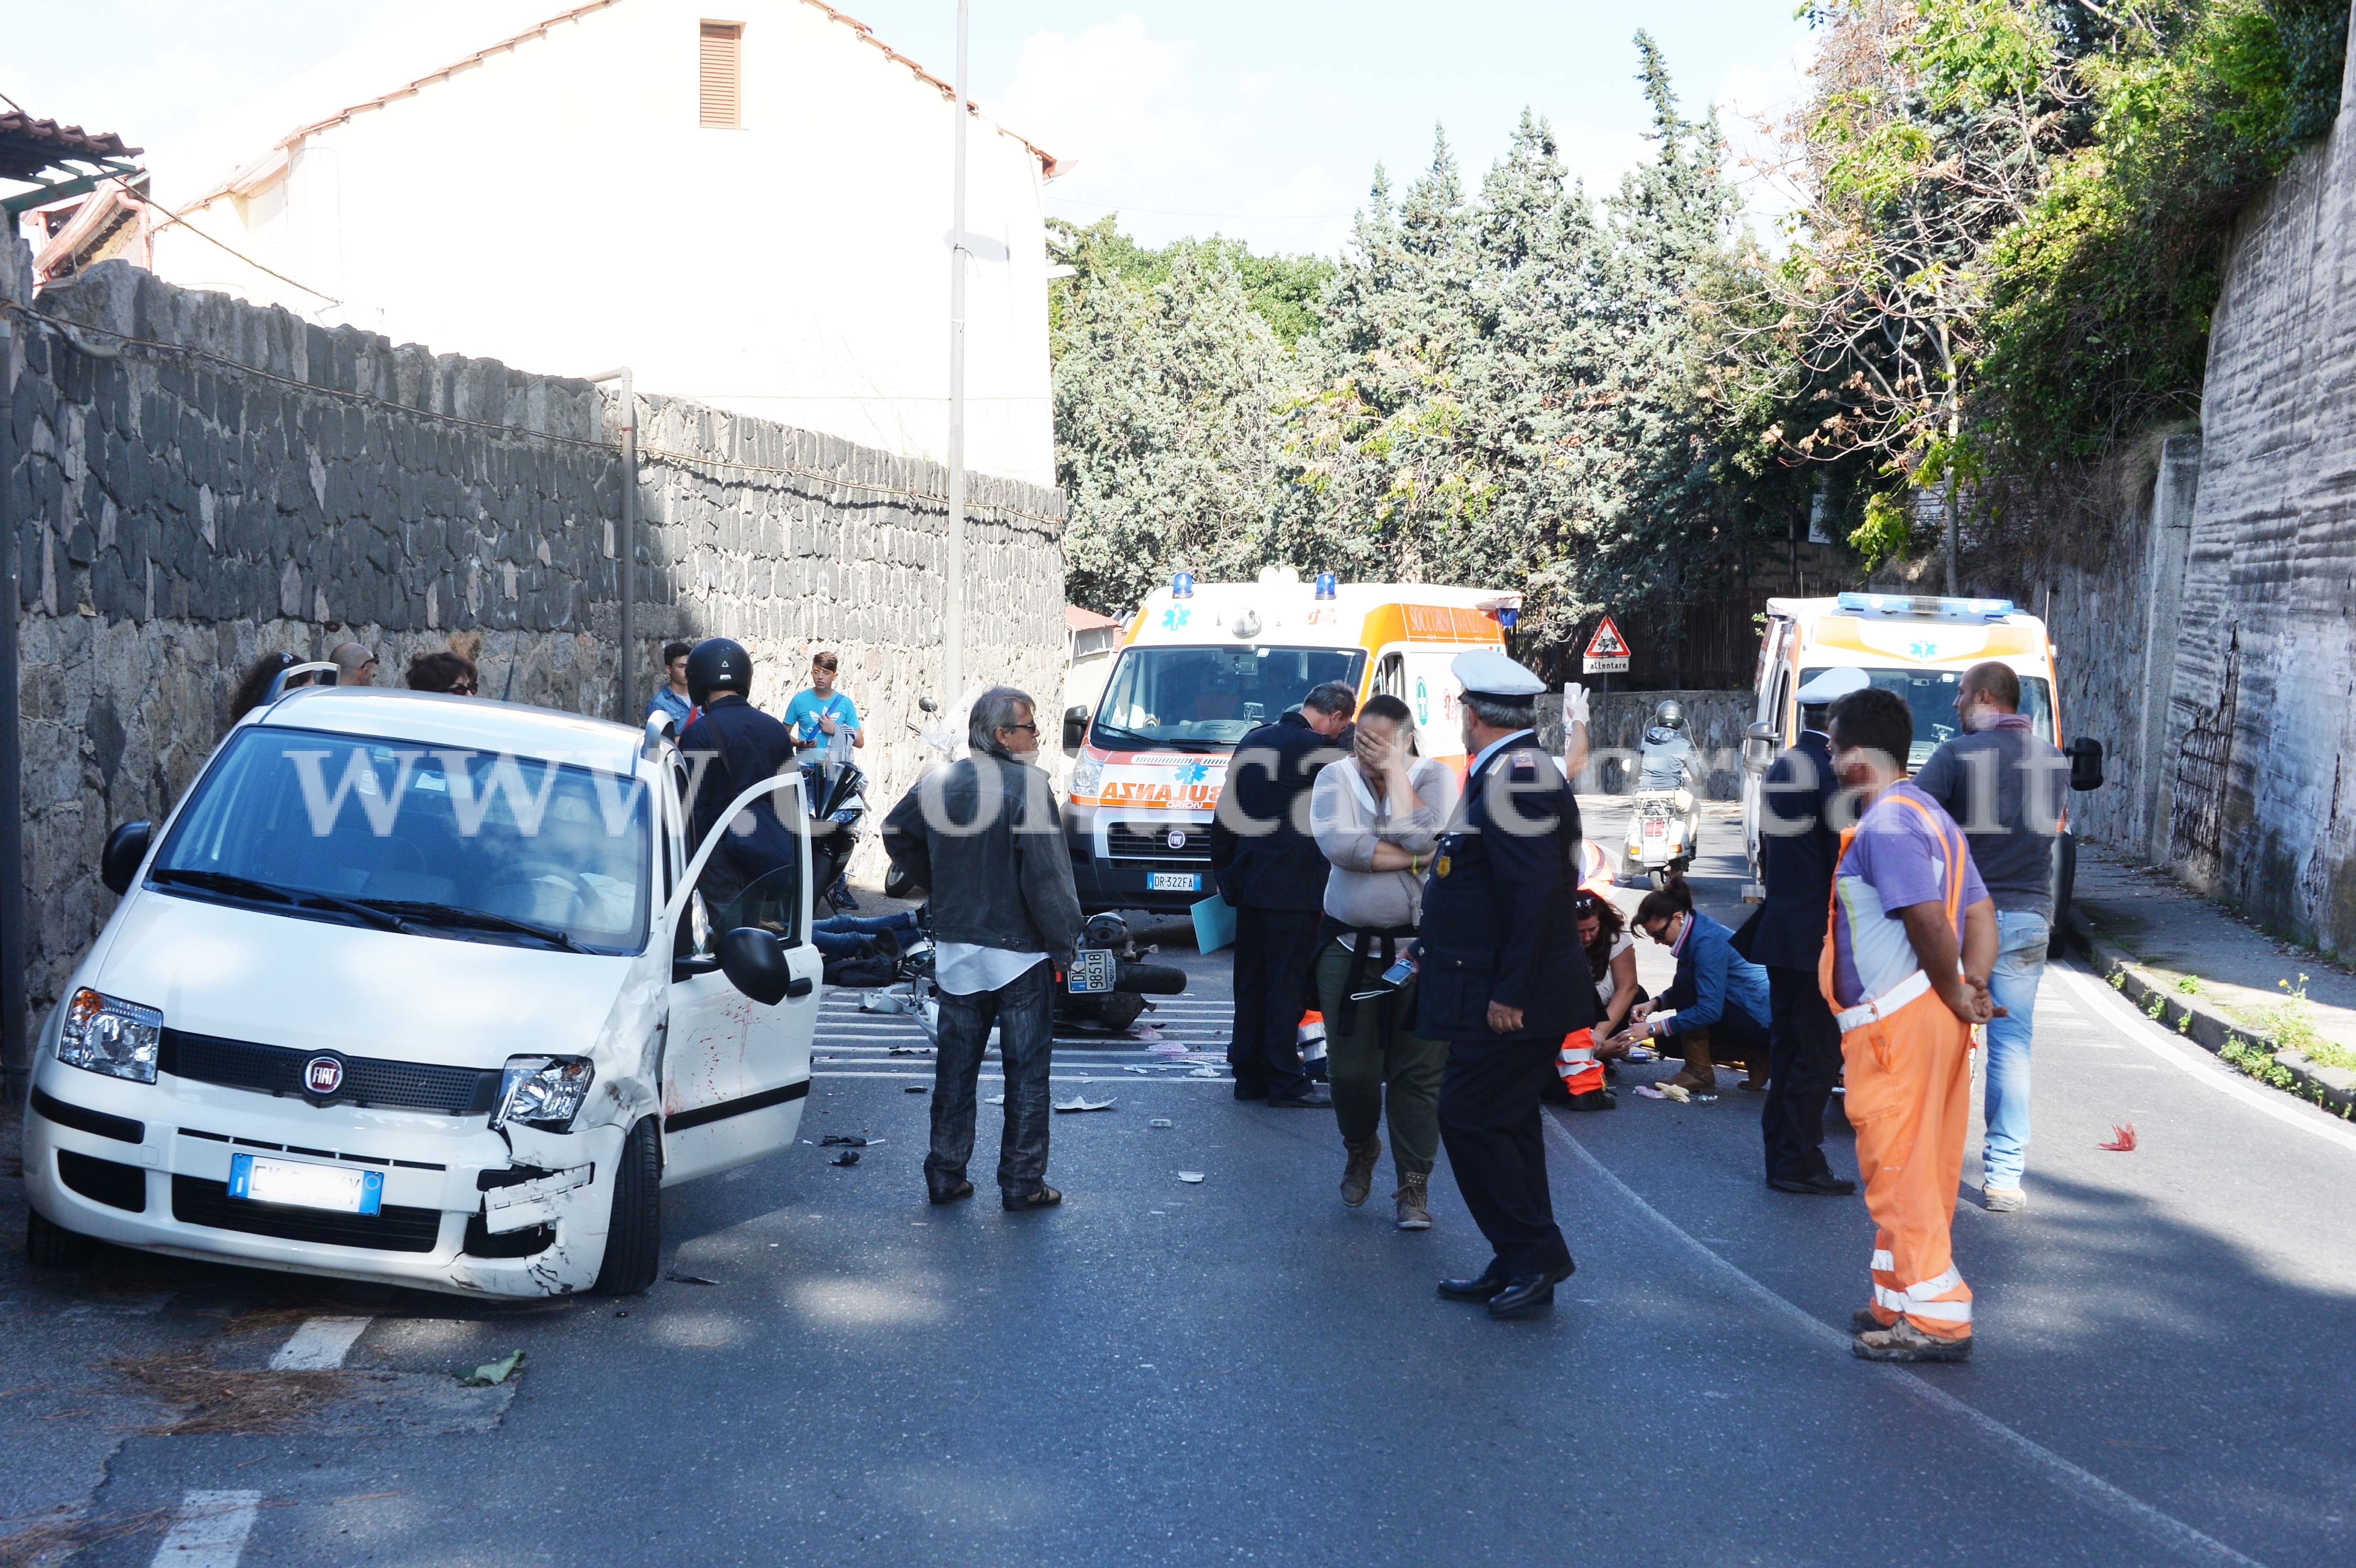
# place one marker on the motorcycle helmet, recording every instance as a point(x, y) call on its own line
point(1669, 715)
point(1106, 930)
point(717, 665)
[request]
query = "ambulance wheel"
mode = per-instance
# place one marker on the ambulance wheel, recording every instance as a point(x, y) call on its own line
point(48, 1246)
point(634, 1239)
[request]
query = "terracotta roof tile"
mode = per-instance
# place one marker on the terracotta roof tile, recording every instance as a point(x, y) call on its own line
point(28, 145)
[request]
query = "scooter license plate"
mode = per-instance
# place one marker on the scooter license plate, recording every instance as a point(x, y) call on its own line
point(1173, 881)
point(306, 1186)
point(1090, 973)
point(1656, 829)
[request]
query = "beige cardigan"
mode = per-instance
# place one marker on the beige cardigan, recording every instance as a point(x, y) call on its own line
point(1348, 820)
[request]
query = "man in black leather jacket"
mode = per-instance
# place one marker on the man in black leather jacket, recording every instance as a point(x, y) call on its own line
point(1270, 869)
point(741, 744)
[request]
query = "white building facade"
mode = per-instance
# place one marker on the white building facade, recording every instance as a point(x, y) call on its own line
point(749, 206)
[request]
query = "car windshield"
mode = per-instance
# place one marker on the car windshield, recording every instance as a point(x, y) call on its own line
point(1931, 693)
point(453, 843)
point(1208, 699)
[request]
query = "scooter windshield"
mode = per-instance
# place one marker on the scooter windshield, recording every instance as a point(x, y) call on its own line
point(474, 846)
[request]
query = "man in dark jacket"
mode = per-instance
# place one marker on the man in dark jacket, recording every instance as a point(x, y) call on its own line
point(984, 836)
point(1502, 977)
point(1270, 869)
point(737, 745)
point(1798, 847)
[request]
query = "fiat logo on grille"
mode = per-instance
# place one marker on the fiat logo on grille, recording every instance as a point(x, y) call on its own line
point(1177, 839)
point(323, 1075)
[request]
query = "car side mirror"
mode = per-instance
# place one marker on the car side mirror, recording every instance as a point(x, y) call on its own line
point(1076, 726)
point(755, 962)
point(125, 848)
point(2085, 754)
point(1759, 746)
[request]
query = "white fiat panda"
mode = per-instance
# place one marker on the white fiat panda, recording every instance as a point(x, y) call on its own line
point(412, 989)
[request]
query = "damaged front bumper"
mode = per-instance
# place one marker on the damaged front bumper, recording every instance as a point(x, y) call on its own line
point(521, 1213)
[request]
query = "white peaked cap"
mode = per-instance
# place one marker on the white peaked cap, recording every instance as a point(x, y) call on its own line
point(1487, 672)
point(1832, 685)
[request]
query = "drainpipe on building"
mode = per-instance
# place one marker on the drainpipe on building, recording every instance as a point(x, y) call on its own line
point(15, 1059)
point(625, 548)
point(953, 631)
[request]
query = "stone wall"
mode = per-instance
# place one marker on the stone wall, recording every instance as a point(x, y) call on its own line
point(2256, 802)
point(196, 482)
point(1715, 720)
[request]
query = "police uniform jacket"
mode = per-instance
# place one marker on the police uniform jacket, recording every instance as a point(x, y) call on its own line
point(1269, 781)
point(1498, 924)
point(746, 745)
point(1798, 847)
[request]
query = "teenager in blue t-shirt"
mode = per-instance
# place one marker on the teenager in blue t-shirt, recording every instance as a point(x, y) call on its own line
point(819, 713)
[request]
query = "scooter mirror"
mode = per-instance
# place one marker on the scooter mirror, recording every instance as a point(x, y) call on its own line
point(928, 705)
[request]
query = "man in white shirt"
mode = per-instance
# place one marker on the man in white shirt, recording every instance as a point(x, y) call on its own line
point(984, 836)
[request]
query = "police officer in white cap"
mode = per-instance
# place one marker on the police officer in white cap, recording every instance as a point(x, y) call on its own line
point(1798, 847)
point(1503, 979)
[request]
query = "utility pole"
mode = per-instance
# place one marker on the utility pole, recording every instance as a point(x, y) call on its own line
point(625, 552)
point(953, 630)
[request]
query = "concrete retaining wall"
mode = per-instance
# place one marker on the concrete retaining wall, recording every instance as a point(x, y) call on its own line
point(203, 481)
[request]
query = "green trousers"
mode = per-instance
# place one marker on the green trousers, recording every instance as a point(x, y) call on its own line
point(1380, 1051)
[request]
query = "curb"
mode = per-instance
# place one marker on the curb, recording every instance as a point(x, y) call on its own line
point(2332, 1088)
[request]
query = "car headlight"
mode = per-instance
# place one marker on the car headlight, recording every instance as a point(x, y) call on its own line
point(544, 1091)
point(109, 1035)
point(1087, 778)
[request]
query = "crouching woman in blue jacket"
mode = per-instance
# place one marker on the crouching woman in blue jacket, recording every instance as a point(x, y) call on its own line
point(1720, 997)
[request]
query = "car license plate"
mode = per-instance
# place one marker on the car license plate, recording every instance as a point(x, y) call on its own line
point(1173, 881)
point(306, 1186)
point(1090, 973)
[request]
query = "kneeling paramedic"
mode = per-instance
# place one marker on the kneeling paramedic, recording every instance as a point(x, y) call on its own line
point(1912, 940)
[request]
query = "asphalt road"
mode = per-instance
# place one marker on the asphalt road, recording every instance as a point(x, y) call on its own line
point(1243, 1371)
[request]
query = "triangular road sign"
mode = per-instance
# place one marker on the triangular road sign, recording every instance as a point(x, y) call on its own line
point(1607, 643)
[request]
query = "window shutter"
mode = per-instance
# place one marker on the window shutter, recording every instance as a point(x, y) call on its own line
point(720, 73)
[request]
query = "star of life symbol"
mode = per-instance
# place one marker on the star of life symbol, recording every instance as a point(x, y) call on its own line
point(1193, 772)
point(1175, 617)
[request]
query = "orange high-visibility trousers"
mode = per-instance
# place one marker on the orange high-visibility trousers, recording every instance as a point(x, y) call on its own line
point(1909, 1099)
point(1576, 1061)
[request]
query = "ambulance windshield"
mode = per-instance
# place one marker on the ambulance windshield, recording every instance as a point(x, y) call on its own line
point(1931, 693)
point(1206, 699)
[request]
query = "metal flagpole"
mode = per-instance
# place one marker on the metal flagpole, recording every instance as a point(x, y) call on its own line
point(953, 636)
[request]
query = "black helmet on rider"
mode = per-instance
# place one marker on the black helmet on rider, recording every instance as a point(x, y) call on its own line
point(717, 665)
point(1669, 715)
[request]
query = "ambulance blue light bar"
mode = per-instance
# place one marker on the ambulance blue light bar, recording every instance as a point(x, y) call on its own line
point(1182, 586)
point(1923, 606)
point(1326, 587)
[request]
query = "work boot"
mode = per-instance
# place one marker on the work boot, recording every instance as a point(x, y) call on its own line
point(1595, 1099)
point(1414, 1200)
point(1358, 1175)
point(1901, 1341)
point(2003, 1200)
point(1863, 1321)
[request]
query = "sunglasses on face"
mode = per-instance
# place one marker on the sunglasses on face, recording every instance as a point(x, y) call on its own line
point(1033, 728)
point(462, 688)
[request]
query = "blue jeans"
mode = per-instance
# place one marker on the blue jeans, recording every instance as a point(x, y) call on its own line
point(839, 935)
point(2020, 965)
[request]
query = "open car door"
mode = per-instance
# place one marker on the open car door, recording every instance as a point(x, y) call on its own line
point(737, 1069)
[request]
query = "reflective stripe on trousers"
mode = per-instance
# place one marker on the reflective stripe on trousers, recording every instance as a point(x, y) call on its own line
point(1576, 1061)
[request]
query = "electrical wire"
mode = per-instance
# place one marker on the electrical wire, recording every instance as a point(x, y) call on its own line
point(367, 400)
point(171, 218)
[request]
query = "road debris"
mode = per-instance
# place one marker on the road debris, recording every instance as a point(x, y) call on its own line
point(1145, 1031)
point(849, 1156)
point(1081, 1102)
point(845, 1140)
point(1161, 1122)
point(910, 1051)
point(914, 1089)
point(2123, 1138)
point(688, 1279)
point(1203, 1073)
point(1189, 1177)
point(490, 1374)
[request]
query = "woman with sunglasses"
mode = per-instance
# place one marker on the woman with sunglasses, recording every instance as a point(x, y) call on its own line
point(442, 672)
point(1612, 965)
point(1720, 997)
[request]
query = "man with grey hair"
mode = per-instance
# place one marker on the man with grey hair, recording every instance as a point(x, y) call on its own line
point(983, 836)
point(1268, 865)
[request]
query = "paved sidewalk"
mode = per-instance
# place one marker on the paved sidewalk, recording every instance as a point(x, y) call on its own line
point(2194, 964)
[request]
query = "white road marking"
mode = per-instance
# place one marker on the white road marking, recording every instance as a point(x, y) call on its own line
point(319, 1345)
point(210, 1530)
point(1053, 1077)
point(2199, 1065)
point(2071, 1478)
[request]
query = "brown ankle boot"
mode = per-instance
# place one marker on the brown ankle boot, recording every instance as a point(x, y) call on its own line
point(1358, 1175)
point(1699, 1076)
point(1414, 1200)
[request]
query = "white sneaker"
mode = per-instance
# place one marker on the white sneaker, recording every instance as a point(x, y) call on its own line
point(2003, 1200)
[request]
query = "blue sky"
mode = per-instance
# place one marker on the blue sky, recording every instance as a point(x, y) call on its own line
point(1262, 120)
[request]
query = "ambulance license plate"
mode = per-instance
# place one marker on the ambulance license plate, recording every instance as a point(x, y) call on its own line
point(1090, 973)
point(306, 1186)
point(1173, 881)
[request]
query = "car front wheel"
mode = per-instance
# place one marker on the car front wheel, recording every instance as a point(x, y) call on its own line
point(634, 1239)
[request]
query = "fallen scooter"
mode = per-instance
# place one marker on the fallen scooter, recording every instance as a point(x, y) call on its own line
point(1105, 987)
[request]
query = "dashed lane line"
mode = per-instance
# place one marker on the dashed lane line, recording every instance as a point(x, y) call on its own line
point(2070, 1477)
point(210, 1532)
point(319, 1345)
